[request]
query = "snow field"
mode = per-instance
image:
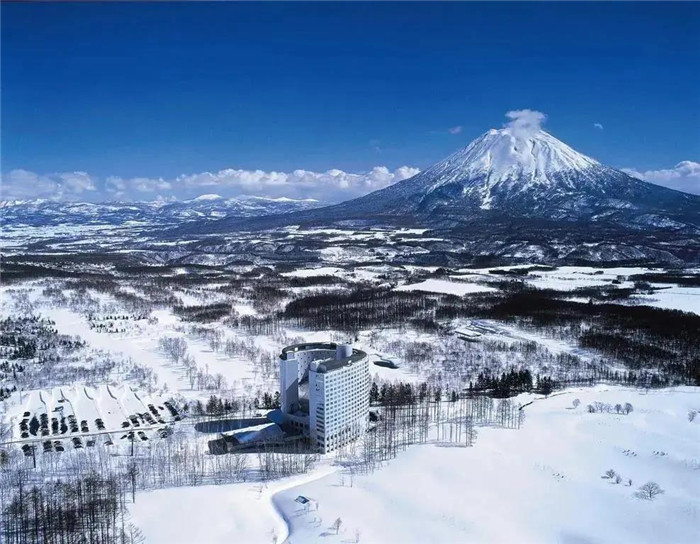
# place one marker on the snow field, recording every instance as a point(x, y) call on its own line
point(223, 514)
point(446, 287)
point(539, 484)
point(542, 483)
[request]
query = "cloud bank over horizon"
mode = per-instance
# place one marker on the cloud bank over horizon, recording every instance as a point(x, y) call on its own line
point(331, 186)
point(685, 176)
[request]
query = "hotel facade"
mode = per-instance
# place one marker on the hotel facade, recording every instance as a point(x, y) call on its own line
point(324, 389)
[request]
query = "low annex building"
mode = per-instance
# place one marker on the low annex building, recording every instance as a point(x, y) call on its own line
point(325, 392)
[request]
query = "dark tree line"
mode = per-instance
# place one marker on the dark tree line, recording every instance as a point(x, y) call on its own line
point(362, 308)
point(204, 313)
point(5, 392)
point(508, 383)
point(269, 402)
point(662, 343)
point(90, 509)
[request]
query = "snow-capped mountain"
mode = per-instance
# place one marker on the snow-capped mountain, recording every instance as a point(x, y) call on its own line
point(501, 161)
point(508, 194)
point(205, 208)
point(517, 194)
point(506, 177)
point(531, 175)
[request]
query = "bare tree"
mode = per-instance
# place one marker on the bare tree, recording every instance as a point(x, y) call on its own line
point(336, 525)
point(576, 403)
point(691, 415)
point(6, 430)
point(628, 408)
point(649, 491)
point(174, 347)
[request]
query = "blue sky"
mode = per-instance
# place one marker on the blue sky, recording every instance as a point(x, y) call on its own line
point(155, 91)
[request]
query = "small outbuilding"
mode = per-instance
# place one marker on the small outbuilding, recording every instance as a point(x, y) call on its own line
point(247, 436)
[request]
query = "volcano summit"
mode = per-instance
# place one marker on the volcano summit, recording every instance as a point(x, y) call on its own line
point(520, 192)
point(509, 173)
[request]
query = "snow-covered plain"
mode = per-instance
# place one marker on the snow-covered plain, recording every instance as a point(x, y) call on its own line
point(542, 483)
point(686, 299)
point(446, 287)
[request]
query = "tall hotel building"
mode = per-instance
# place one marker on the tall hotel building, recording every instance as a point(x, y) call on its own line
point(325, 392)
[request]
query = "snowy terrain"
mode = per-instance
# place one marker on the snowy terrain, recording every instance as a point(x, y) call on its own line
point(542, 483)
point(446, 287)
point(686, 299)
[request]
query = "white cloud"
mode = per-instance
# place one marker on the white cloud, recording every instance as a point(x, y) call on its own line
point(598, 126)
point(20, 184)
point(331, 186)
point(115, 186)
point(76, 182)
point(685, 176)
point(525, 122)
point(455, 130)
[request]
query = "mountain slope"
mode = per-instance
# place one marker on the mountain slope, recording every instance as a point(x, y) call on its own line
point(506, 177)
point(529, 176)
point(522, 195)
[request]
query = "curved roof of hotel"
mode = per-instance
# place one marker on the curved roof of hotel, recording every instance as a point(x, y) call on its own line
point(331, 363)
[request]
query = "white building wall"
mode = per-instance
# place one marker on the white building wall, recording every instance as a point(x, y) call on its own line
point(339, 404)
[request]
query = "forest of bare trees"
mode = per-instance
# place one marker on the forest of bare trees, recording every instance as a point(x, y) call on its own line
point(84, 508)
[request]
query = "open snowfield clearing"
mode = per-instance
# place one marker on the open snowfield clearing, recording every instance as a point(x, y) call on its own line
point(446, 287)
point(496, 330)
point(567, 278)
point(141, 344)
point(312, 272)
point(542, 483)
point(686, 299)
point(217, 514)
point(539, 484)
